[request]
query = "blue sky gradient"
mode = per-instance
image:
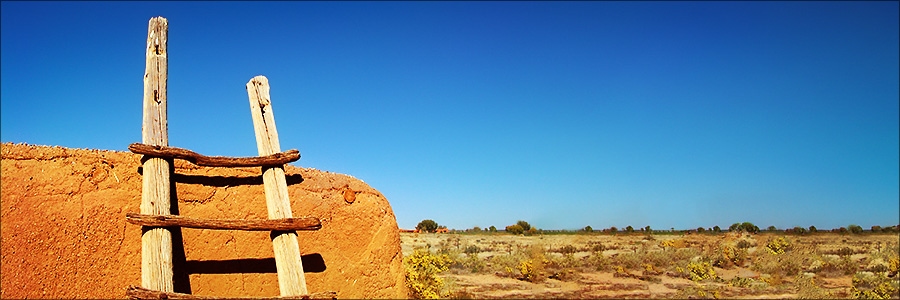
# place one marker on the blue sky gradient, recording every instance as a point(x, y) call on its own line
point(564, 114)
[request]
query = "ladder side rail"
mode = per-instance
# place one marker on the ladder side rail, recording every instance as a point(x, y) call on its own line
point(291, 280)
point(156, 243)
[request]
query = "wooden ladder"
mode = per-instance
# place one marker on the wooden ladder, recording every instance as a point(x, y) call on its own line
point(156, 215)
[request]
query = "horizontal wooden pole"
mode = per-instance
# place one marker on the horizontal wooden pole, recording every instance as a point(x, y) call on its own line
point(286, 224)
point(136, 292)
point(277, 159)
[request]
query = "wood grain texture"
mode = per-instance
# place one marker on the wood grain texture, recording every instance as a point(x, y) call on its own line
point(307, 223)
point(134, 292)
point(277, 159)
point(156, 243)
point(291, 280)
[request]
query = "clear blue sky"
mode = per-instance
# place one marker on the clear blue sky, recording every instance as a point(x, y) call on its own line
point(564, 114)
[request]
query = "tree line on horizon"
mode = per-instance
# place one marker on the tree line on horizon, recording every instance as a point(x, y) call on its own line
point(524, 228)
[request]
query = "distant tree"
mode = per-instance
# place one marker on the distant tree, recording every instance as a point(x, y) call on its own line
point(749, 227)
point(629, 229)
point(812, 229)
point(613, 229)
point(842, 230)
point(427, 225)
point(876, 228)
point(492, 228)
point(745, 227)
point(647, 229)
point(531, 231)
point(515, 229)
point(525, 225)
point(588, 228)
point(799, 230)
point(855, 229)
point(716, 229)
point(476, 229)
point(772, 228)
point(700, 229)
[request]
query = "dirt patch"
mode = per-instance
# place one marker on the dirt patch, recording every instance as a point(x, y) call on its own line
point(63, 232)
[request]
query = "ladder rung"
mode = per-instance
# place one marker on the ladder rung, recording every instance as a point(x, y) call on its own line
point(306, 223)
point(276, 159)
point(136, 292)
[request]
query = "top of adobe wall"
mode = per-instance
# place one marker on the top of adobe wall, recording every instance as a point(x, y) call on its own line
point(64, 232)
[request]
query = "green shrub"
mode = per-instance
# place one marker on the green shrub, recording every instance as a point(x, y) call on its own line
point(741, 282)
point(597, 262)
point(628, 260)
point(473, 264)
point(808, 289)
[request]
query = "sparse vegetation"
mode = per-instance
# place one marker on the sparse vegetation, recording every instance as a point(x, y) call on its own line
point(709, 265)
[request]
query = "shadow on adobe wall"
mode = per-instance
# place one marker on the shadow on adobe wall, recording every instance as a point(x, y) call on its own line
point(312, 263)
point(223, 181)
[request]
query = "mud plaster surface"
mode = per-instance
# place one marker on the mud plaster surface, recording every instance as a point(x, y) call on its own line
point(63, 232)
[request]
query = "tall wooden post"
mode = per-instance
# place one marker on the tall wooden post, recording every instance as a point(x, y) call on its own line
point(291, 279)
point(156, 243)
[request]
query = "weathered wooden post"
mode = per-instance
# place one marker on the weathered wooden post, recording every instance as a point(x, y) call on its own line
point(291, 279)
point(156, 242)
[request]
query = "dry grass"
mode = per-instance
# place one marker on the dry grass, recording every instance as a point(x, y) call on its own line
point(666, 266)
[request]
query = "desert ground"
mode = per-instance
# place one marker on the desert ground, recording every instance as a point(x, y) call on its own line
point(636, 265)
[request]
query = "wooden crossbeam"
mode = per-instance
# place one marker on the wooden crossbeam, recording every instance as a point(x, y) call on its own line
point(277, 159)
point(135, 292)
point(286, 224)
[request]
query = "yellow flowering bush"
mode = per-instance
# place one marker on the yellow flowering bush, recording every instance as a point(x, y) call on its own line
point(673, 244)
point(778, 245)
point(422, 269)
point(874, 286)
point(894, 265)
point(700, 271)
point(527, 269)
